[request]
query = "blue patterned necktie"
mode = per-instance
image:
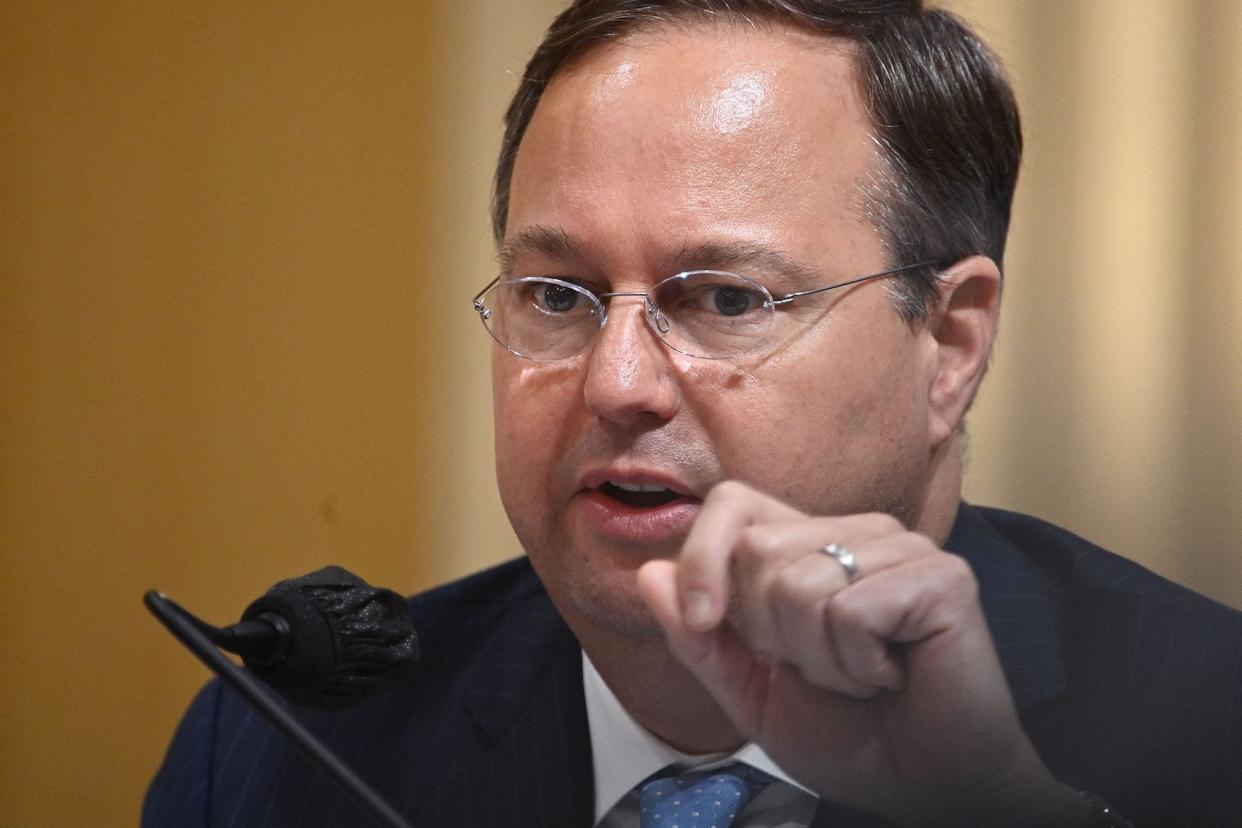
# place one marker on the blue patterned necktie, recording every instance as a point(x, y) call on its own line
point(703, 799)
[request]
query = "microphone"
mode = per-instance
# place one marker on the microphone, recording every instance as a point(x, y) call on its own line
point(324, 640)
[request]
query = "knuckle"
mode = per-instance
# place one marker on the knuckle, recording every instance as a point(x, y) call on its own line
point(917, 543)
point(748, 550)
point(728, 491)
point(845, 610)
point(879, 523)
point(957, 574)
point(957, 567)
point(758, 540)
point(960, 571)
point(789, 587)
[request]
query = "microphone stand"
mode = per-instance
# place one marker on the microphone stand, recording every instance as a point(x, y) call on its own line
point(188, 630)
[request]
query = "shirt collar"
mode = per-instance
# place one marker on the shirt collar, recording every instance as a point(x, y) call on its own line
point(625, 753)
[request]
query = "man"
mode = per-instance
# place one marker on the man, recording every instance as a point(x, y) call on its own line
point(750, 282)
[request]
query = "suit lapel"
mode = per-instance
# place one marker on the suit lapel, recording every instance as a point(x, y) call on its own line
point(527, 760)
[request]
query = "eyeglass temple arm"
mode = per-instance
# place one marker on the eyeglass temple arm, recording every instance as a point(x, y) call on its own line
point(478, 304)
point(789, 297)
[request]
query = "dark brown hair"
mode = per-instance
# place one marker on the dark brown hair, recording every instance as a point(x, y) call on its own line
point(941, 109)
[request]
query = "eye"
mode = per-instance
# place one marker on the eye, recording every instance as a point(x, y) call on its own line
point(730, 300)
point(711, 296)
point(718, 298)
point(555, 298)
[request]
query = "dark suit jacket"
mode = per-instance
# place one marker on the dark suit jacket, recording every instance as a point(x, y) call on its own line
point(1127, 684)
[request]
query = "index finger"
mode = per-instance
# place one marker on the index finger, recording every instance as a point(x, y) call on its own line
point(703, 566)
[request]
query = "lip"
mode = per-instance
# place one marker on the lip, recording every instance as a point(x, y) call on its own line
point(632, 524)
point(633, 476)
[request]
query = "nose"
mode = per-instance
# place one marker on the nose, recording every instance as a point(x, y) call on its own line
point(630, 377)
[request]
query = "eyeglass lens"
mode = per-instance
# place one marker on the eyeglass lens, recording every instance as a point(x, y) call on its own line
point(708, 314)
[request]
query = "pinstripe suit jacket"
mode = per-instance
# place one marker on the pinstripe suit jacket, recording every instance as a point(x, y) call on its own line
point(1127, 684)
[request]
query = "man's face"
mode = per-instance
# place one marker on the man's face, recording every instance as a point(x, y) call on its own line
point(701, 147)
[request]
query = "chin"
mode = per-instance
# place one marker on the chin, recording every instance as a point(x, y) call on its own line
point(599, 602)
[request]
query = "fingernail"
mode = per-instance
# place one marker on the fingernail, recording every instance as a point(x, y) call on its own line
point(698, 608)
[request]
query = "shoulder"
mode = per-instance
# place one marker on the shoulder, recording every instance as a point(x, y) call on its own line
point(495, 630)
point(470, 615)
point(1147, 670)
point(1111, 610)
point(502, 584)
point(1078, 566)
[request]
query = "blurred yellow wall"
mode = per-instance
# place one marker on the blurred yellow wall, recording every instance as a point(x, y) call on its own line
point(217, 221)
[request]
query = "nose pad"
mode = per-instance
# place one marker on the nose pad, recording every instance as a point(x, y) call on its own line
point(658, 320)
point(628, 372)
point(619, 325)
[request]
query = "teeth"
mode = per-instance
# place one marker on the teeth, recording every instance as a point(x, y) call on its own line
point(638, 487)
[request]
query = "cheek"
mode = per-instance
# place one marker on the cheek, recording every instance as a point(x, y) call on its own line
point(825, 435)
point(531, 414)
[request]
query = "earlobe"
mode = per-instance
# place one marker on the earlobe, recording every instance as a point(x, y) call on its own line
point(962, 328)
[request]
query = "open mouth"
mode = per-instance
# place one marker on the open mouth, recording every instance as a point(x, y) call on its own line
point(640, 495)
point(637, 509)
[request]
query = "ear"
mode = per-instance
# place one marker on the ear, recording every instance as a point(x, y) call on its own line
point(962, 328)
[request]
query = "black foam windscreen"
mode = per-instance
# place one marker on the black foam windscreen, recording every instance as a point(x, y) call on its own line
point(345, 641)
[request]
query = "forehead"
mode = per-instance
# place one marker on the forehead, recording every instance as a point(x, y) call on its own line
point(721, 70)
point(699, 133)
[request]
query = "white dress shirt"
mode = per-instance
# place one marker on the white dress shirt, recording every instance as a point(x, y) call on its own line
point(624, 753)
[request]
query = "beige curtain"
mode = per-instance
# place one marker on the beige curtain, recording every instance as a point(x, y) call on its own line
point(237, 243)
point(1115, 404)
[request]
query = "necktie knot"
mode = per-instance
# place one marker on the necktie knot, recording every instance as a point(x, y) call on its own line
point(700, 799)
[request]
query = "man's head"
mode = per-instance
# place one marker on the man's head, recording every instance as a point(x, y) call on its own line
point(942, 115)
point(693, 141)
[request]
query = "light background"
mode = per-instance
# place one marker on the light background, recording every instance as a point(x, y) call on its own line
point(237, 244)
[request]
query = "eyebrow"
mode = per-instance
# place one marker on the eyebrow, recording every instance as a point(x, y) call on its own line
point(555, 243)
